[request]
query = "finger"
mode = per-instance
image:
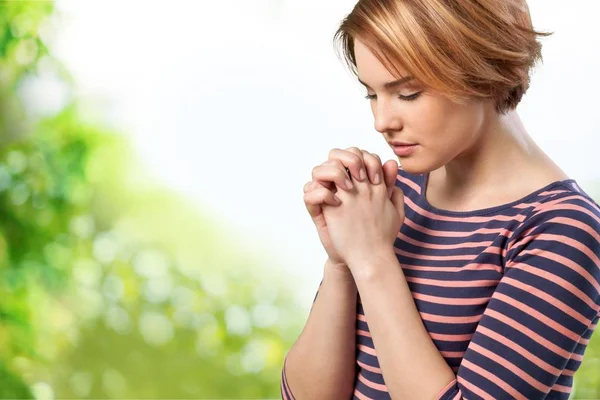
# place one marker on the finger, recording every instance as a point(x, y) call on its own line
point(398, 200)
point(350, 158)
point(331, 172)
point(373, 167)
point(310, 185)
point(390, 173)
point(313, 199)
point(307, 186)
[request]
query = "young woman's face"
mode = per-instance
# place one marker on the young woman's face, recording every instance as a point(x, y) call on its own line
point(412, 113)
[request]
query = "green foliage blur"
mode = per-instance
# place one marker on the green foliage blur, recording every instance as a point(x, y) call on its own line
point(110, 286)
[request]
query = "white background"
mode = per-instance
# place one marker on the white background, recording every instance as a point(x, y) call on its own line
point(232, 103)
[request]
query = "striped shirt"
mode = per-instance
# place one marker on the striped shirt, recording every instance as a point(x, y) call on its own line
point(510, 295)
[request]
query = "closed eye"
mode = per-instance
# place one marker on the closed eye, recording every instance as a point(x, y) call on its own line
point(410, 97)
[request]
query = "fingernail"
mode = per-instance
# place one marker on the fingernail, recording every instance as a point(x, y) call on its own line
point(376, 179)
point(362, 174)
point(348, 184)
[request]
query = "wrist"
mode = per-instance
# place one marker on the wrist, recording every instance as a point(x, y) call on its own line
point(372, 265)
point(338, 271)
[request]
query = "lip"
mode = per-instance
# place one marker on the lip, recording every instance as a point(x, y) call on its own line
point(396, 143)
point(404, 150)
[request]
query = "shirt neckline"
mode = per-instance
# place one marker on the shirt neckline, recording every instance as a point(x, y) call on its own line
point(425, 204)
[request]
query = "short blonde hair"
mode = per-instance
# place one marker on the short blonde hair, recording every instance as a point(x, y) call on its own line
point(461, 48)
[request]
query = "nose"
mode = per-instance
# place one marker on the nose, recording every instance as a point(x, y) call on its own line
point(386, 118)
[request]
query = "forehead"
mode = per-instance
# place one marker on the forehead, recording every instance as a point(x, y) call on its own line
point(370, 69)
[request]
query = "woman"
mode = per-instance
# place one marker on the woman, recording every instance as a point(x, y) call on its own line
point(473, 271)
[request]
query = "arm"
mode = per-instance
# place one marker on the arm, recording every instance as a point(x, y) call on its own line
point(321, 363)
point(532, 335)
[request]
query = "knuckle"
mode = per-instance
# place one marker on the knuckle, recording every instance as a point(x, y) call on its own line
point(315, 170)
point(354, 157)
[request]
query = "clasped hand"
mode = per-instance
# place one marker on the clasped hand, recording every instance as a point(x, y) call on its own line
point(363, 224)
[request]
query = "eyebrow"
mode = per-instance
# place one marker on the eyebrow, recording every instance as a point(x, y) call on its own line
point(391, 84)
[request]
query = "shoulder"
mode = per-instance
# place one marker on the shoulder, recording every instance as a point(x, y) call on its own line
point(568, 203)
point(566, 224)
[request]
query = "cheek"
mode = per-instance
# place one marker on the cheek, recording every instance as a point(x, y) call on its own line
point(449, 124)
point(432, 119)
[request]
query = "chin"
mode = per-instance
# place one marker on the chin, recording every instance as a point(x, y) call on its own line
point(414, 166)
point(418, 164)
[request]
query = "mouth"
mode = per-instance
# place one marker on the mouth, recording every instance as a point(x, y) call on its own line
point(404, 150)
point(395, 143)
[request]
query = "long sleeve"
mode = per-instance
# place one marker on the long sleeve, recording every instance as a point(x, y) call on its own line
point(286, 393)
point(532, 336)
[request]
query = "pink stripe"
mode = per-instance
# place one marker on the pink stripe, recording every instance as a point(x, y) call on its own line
point(372, 385)
point(561, 388)
point(469, 267)
point(456, 234)
point(565, 206)
point(366, 349)
point(562, 239)
point(454, 284)
point(573, 222)
point(549, 299)
point(285, 382)
point(537, 203)
point(410, 183)
point(360, 395)
point(449, 320)
point(528, 332)
point(538, 315)
point(363, 333)
point(451, 338)
point(509, 366)
point(445, 389)
point(473, 388)
point(519, 349)
point(494, 379)
point(283, 395)
point(425, 245)
point(369, 368)
point(472, 219)
point(559, 281)
point(467, 257)
point(467, 301)
point(452, 354)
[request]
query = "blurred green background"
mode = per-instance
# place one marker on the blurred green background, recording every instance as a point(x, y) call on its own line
point(113, 287)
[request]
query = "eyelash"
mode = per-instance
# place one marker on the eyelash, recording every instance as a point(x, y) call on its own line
point(406, 98)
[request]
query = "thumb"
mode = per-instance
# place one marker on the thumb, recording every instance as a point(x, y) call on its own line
point(398, 200)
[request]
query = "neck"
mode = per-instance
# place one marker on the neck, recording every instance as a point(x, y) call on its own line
point(503, 148)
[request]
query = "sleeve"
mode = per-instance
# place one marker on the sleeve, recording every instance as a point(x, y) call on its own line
point(532, 336)
point(286, 393)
